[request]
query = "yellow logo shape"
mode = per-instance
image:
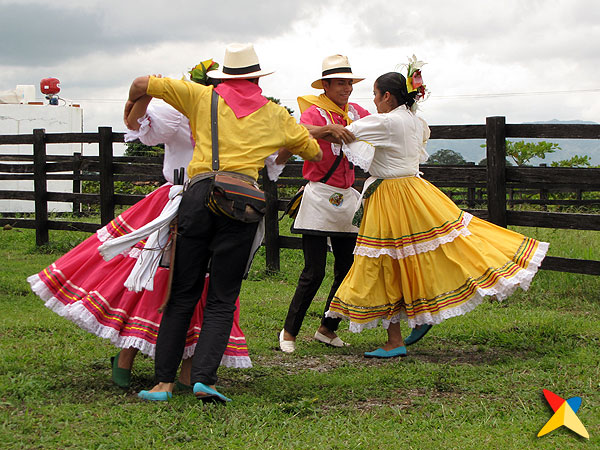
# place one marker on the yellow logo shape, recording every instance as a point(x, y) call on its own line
point(564, 414)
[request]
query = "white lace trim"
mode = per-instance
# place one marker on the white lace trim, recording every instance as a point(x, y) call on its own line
point(145, 126)
point(236, 362)
point(411, 250)
point(353, 113)
point(52, 303)
point(102, 234)
point(79, 315)
point(501, 290)
point(358, 160)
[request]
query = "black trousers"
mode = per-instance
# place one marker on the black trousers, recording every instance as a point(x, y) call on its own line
point(315, 258)
point(202, 237)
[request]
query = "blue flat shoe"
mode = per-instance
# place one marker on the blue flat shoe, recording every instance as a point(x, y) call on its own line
point(416, 334)
point(211, 394)
point(381, 353)
point(155, 396)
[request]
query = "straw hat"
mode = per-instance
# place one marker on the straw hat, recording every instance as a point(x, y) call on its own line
point(335, 66)
point(240, 62)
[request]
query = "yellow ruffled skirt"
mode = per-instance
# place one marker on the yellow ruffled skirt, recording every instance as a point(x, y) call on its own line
point(420, 258)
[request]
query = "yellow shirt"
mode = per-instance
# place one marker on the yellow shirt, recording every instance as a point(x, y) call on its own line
point(243, 143)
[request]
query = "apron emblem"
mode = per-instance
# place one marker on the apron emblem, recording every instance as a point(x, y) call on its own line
point(336, 199)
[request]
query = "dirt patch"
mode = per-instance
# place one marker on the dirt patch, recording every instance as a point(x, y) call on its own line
point(473, 355)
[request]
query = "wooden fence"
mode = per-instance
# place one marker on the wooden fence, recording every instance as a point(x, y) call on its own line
point(488, 183)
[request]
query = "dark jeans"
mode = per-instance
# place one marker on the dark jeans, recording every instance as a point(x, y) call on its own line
point(202, 237)
point(315, 258)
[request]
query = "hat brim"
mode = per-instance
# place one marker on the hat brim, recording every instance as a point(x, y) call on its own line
point(317, 84)
point(220, 75)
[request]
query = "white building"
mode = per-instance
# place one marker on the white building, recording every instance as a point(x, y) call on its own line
point(20, 113)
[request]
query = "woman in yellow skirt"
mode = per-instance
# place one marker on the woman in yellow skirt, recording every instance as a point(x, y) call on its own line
point(418, 257)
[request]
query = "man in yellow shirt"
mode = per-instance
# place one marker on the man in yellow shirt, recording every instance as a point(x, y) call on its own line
point(250, 128)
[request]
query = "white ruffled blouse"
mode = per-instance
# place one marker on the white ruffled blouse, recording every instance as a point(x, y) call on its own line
point(163, 124)
point(389, 145)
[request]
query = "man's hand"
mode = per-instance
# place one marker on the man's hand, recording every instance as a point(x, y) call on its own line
point(335, 133)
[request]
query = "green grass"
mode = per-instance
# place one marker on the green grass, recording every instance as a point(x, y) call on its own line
point(474, 382)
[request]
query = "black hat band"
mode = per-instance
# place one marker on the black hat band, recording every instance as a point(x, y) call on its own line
point(336, 70)
point(241, 70)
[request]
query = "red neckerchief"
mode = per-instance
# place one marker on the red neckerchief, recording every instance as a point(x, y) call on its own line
point(242, 96)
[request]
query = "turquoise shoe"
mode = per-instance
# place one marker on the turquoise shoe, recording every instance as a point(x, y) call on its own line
point(121, 377)
point(416, 334)
point(381, 353)
point(155, 396)
point(211, 394)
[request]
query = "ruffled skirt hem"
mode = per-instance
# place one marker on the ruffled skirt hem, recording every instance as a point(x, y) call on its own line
point(503, 288)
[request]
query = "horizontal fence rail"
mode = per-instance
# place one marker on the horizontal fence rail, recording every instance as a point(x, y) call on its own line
point(485, 191)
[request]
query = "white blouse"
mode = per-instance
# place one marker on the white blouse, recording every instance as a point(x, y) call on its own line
point(389, 145)
point(163, 124)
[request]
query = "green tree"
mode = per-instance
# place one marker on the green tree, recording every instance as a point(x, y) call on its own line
point(446, 157)
point(575, 161)
point(522, 152)
point(136, 148)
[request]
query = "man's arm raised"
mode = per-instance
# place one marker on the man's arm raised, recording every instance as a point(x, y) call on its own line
point(137, 90)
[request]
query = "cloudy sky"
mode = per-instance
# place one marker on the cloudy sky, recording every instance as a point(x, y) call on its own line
point(528, 60)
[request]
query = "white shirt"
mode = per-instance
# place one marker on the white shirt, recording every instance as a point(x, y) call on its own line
point(389, 145)
point(163, 124)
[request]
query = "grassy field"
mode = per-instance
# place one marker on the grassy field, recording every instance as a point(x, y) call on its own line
point(474, 382)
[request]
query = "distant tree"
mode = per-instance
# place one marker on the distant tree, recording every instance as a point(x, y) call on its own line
point(446, 157)
point(575, 161)
point(522, 152)
point(136, 148)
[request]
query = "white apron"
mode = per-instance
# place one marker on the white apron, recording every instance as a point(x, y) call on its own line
point(326, 209)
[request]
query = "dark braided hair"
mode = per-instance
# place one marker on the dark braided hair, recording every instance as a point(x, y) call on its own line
point(395, 84)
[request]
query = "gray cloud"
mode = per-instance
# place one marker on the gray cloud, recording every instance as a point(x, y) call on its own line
point(506, 32)
point(39, 33)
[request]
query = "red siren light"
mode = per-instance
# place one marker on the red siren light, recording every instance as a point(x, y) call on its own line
point(50, 86)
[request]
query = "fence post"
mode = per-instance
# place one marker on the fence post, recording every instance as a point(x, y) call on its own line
point(77, 182)
point(40, 186)
point(107, 179)
point(495, 132)
point(271, 224)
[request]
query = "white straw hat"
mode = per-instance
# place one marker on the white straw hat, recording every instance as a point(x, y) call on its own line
point(240, 62)
point(336, 66)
